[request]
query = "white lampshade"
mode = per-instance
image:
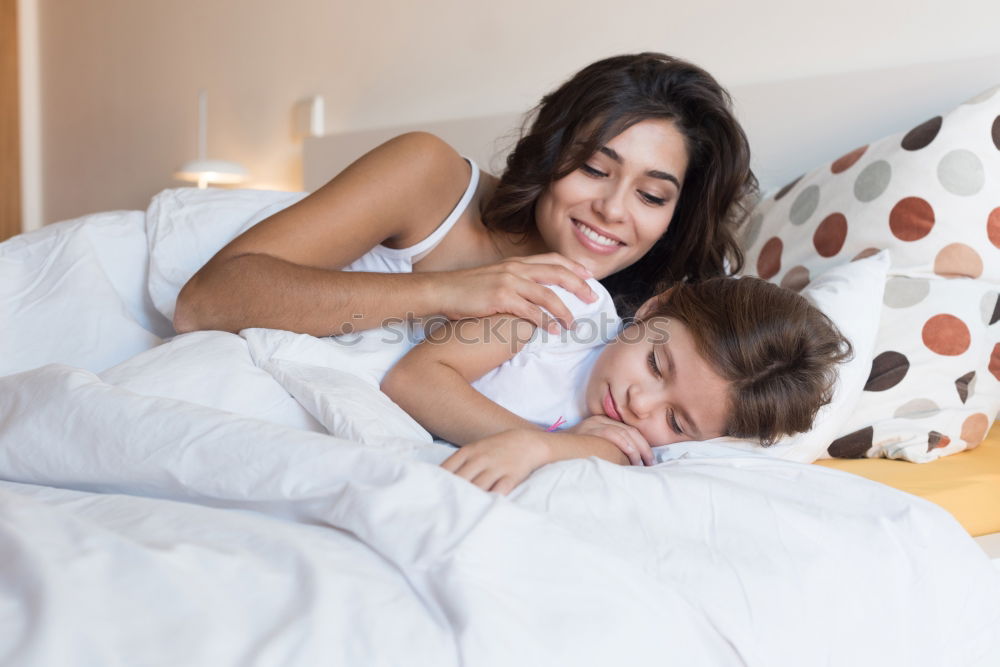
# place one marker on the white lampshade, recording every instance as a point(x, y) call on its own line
point(202, 170)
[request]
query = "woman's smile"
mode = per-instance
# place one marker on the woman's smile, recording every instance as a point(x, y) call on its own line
point(595, 239)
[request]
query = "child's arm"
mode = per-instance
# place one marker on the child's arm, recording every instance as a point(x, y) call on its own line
point(504, 460)
point(433, 382)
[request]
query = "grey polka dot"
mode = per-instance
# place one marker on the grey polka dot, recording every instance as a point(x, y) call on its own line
point(983, 96)
point(905, 292)
point(961, 173)
point(872, 181)
point(917, 408)
point(989, 306)
point(804, 205)
point(752, 230)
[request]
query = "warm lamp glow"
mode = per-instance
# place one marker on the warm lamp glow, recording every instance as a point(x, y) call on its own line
point(204, 172)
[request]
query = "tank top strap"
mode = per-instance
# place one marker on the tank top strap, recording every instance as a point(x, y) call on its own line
point(420, 250)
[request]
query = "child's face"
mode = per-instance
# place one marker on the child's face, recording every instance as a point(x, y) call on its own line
point(653, 378)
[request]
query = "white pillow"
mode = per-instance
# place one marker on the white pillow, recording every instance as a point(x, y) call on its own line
point(851, 296)
point(58, 306)
point(187, 226)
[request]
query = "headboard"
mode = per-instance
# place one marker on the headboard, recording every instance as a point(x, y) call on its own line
point(793, 125)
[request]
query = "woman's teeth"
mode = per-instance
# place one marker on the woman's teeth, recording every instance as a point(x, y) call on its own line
point(594, 236)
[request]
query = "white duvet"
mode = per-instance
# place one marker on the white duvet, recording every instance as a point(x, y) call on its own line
point(189, 506)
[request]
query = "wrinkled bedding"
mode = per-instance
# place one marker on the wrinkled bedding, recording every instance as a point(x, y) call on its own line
point(254, 499)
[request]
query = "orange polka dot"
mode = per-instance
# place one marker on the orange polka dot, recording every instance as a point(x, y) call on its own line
point(993, 226)
point(995, 361)
point(769, 261)
point(847, 161)
point(974, 429)
point(796, 278)
point(911, 219)
point(867, 252)
point(946, 335)
point(957, 260)
point(830, 235)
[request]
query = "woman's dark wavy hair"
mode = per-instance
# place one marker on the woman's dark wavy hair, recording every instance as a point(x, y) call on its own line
point(600, 102)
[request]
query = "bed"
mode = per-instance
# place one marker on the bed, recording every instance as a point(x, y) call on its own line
point(254, 499)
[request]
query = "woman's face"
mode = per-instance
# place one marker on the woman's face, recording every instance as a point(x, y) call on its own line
point(653, 378)
point(608, 213)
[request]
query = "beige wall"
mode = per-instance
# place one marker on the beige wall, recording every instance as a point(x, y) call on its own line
point(119, 78)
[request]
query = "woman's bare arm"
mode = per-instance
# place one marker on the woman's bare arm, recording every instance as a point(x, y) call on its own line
point(285, 272)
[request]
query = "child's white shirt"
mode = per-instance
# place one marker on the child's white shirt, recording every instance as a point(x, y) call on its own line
point(547, 379)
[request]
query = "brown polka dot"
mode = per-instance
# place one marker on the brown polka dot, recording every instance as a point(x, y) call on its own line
point(974, 429)
point(888, 370)
point(830, 235)
point(867, 252)
point(911, 219)
point(796, 278)
point(964, 384)
point(957, 260)
point(853, 445)
point(993, 226)
point(769, 260)
point(946, 335)
point(788, 188)
point(937, 440)
point(995, 361)
point(996, 132)
point(922, 135)
point(847, 161)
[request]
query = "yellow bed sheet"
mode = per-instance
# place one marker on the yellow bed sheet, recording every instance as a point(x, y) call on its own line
point(965, 484)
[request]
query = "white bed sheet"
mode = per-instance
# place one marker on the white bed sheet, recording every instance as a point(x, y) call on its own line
point(149, 522)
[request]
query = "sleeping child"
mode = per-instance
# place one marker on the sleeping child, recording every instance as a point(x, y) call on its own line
point(724, 357)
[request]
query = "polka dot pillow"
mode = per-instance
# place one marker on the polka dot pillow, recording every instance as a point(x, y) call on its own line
point(932, 196)
point(934, 386)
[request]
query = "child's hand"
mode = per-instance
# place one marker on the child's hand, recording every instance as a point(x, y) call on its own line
point(500, 462)
point(626, 438)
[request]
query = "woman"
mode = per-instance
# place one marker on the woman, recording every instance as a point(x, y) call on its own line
point(634, 172)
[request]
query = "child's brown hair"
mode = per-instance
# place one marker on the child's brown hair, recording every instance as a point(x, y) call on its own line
point(777, 350)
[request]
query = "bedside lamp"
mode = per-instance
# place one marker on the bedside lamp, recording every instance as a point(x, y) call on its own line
point(202, 170)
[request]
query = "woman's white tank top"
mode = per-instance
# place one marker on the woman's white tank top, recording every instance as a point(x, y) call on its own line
point(381, 259)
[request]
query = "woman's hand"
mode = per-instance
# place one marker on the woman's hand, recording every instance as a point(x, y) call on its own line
point(500, 462)
point(515, 286)
point(626, 438)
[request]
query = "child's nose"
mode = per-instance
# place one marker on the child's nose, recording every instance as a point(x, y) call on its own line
point(643, 401)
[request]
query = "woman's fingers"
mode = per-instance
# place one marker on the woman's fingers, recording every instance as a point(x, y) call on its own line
point(555, 258)
point(542, 297)
point(554, 274)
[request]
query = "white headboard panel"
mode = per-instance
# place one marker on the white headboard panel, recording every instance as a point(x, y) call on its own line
point(793, 125)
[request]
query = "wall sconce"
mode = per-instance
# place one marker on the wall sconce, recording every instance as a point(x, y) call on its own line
point(202, 170)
